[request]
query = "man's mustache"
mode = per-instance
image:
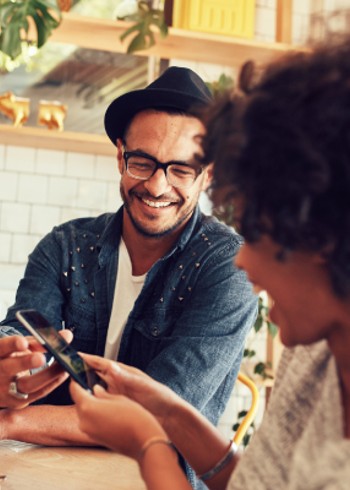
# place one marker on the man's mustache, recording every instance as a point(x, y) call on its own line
point(162, 198)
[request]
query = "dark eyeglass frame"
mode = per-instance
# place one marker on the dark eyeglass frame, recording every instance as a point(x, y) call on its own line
point(159, 165)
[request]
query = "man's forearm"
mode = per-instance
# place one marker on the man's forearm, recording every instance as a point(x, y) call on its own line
point(43, 424)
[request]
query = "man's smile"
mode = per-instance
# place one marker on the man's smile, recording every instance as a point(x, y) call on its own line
point(156, 204)
point(164, 201)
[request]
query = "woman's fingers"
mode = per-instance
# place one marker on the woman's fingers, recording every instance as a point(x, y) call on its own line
point(77, 392)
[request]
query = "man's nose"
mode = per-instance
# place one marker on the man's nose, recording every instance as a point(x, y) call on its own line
point(157, 184)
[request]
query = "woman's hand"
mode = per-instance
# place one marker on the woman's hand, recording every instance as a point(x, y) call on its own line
point(136, 385)
point(114, 421)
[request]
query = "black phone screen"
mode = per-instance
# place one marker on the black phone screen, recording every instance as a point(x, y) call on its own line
point(61, 350)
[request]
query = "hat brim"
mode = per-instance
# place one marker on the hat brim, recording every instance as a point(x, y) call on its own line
point(123, 109)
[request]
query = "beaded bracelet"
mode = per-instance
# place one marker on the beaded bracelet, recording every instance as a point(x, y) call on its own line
point(232, 449)
point(151, 442)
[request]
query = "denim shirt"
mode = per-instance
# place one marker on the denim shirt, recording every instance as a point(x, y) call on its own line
point(187, 327)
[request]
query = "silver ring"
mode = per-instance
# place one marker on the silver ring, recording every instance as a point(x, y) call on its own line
point(13, 391)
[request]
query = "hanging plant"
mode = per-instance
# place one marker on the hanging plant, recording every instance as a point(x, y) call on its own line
point(16, 18)
point(145, 18)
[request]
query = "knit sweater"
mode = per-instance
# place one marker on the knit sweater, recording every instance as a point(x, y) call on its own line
point(300, 444)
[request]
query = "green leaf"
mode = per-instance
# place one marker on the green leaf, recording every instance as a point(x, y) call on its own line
point(260, 368)
point(41, 30)
point(246, 440)
point(272, 329)
point(145, 19)
point(44, 8)
point(139, 42)
point(50, 4)
point(249, 353)
point(25, 25)
point(129, 31)
point(144, 7)
point(11, 41)
point(242, 414)
point(259, 323)
point(163, 28)
point(6, 10)
point(50, 21)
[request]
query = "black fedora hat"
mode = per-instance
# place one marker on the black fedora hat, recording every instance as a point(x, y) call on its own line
point(177, 88)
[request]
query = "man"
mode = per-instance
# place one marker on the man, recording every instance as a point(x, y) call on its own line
point(139, 285)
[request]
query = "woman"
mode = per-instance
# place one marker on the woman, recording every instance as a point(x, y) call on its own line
point(282, 158)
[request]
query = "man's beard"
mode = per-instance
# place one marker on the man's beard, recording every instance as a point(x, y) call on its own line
point(144, 231)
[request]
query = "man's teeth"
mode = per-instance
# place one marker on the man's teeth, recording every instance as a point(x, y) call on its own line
point(156, 204)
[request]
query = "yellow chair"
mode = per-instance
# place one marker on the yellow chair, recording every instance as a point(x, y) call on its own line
point(249, 417)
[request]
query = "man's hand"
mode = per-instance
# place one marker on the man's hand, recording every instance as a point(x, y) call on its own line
point(19, 355)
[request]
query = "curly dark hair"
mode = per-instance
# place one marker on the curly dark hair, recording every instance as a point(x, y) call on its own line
point(284, 148)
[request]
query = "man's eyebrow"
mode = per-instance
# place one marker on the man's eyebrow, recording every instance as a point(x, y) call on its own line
point(141, 152)
point(189, 163)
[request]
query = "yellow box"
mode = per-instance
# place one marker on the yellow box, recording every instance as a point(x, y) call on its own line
point(227, 17)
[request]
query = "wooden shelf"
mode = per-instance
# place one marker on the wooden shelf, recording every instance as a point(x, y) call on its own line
point(54, 140)
point(104, 34)
point(101, 34)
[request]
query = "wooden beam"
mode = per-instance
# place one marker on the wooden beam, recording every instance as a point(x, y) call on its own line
point(33, 137)
point(284, 15)
point(180, 44)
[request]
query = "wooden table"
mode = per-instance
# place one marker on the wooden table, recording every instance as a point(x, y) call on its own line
point(31, 467)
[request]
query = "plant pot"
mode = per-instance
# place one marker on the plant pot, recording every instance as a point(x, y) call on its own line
point(64, 5)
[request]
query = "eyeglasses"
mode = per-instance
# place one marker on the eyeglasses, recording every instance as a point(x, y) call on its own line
point(141, 166)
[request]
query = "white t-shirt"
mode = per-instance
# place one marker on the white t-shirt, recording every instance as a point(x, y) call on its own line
point(127, 290)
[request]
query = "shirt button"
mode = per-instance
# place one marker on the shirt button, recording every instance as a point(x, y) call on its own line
point(155, 331)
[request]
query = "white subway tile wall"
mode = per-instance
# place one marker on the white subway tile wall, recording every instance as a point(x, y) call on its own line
point(5, 249)
point(91, 193)
point(80, 165)
point(14, 217)
point(20, 159)
point(8, 185)
point(32, 188)
point(2, 157)
point(42, 217)
point(40, 189)
point(104, 169)
point(62, 191)
point(57, 160)
point(22, 245)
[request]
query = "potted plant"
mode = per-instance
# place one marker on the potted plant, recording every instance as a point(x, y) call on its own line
point(16, 18)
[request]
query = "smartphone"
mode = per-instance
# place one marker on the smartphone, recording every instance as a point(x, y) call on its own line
point(62, 351)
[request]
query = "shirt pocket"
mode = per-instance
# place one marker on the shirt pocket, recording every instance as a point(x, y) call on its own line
point(82, 324)
point(157, 323)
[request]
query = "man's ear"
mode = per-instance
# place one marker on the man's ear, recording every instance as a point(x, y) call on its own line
point(208, 176)
point(120, 159)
